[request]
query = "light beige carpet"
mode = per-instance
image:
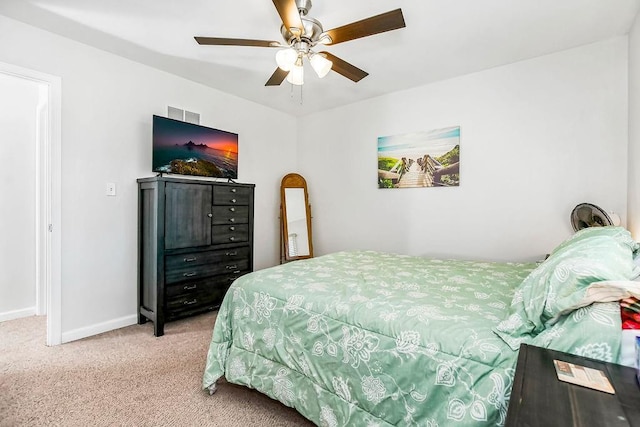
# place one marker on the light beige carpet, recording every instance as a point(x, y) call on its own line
point(125, 377)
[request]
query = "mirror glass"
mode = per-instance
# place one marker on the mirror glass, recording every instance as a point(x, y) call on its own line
point(297, 234)
point(295, 224)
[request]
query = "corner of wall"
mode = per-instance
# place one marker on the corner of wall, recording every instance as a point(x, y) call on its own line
point(633, 185)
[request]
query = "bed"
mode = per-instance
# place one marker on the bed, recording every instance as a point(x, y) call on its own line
point(365, 338)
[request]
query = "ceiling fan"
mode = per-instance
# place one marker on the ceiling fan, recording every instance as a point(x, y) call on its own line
point(302, 33)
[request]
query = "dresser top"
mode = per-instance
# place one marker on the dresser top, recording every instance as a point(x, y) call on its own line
point(194, 180)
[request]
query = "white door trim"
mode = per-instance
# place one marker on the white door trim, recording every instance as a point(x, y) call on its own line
point(49, 199)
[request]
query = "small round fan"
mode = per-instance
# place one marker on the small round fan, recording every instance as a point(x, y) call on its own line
point(587, 215)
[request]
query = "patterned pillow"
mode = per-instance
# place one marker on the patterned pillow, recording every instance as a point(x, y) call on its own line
point(562, 282)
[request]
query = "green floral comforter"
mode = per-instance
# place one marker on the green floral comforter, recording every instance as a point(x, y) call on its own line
point(374, 339)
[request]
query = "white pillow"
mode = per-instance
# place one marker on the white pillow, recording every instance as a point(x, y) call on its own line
point(604, 291)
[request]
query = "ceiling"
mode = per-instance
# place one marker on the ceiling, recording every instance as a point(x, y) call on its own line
point(442, 39)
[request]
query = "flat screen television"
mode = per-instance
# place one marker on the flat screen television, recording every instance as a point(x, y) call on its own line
point(187, 149)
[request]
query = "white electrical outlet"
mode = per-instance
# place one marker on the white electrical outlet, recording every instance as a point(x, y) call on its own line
point(111, 188)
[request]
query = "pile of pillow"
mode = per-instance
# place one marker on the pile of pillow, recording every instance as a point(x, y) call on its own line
point(594, 265)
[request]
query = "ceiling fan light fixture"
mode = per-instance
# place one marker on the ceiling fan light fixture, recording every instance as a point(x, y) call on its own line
point(286, 58)
point(320, 64)
point(296, 75)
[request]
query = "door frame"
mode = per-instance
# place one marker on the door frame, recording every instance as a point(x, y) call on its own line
point(48, 197)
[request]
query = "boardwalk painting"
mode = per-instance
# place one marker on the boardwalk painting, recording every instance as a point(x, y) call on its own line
point(424, 159)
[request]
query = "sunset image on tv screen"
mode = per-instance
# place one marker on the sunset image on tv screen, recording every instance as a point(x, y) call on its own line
point(188, 149)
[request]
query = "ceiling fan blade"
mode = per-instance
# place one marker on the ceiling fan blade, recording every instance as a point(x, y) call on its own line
point(217, 41)
point(388, 21)
point(288, 11)
point(277, 77)
point(343, 67)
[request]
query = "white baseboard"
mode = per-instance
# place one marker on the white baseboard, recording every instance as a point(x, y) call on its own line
point(16, 314)
point(99, 328)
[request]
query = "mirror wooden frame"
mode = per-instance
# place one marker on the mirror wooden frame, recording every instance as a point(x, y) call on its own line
point(293, 180)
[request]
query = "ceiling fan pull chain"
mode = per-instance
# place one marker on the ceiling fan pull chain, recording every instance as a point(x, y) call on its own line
point(301, 94)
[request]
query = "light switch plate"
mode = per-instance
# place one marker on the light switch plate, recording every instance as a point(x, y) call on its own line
point(111, 188)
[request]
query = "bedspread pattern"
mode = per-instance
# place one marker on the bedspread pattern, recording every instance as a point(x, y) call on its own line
point(371, 339)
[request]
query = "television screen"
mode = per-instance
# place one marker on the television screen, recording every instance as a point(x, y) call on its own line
point(187, 149)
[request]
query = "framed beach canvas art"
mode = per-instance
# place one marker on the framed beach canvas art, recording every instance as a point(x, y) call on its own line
point(422, 159)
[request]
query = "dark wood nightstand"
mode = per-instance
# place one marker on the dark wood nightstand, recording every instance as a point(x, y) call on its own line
point(538, 398)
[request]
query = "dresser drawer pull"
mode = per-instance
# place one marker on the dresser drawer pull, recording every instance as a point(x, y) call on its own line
point(233, 200)
point(234, 253)
point(210, 215)
point(233, 190)
point(231, 279)
point(190, 259)
point(193, 301)
point(231, 267)
point(189, 274)
point(232, 209)
point(232, 219)
point(232, 228)
point(188, 288)
point(233, 239)
point(236, 272)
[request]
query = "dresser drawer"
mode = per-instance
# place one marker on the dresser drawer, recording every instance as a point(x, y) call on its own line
point(199, 295)
point(230, 195)
point(195, 292)
point(194, 288)
point(188, 303)
point(190, 288)
point(230, 215)
point(192, 259)
point(230, 233)
point(197, 265)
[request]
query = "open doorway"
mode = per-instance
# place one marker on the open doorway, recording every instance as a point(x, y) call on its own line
point(30, 112)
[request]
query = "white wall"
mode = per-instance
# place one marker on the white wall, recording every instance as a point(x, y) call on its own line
point(107, 105)
point(18, 108)
point(537, 138)
point(634, 130)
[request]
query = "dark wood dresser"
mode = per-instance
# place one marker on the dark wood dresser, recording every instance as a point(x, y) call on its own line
point(539, 398)
point(195, 239)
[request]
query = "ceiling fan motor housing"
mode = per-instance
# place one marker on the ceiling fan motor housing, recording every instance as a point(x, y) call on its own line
point(311, 34)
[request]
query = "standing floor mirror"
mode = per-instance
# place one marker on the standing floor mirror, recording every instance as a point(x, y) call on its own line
point(295, 219)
